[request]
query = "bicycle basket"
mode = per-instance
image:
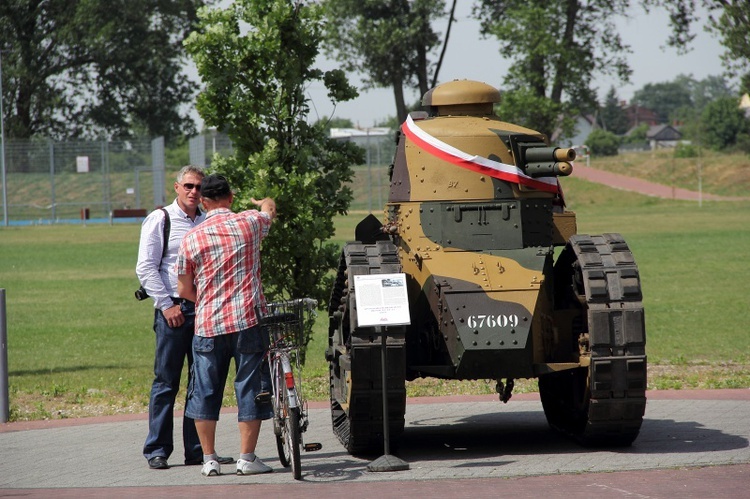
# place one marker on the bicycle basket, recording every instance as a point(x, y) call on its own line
point(286, 321)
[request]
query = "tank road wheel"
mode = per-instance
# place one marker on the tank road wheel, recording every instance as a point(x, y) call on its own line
point(603, 403)
point(355, 360)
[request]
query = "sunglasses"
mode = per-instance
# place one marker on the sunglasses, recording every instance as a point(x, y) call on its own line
point(190, 187)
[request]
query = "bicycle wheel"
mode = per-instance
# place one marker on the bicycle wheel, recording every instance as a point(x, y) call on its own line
point(279, 416)
point(292, 437)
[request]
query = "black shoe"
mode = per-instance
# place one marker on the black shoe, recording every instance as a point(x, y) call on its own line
point(158, 463)
point(263, 398)
point(220, 459)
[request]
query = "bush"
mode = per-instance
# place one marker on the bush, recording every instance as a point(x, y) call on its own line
point(685, 151)
point(723, 123)
point(637, 134)
point(743, 143)
point(603, 143)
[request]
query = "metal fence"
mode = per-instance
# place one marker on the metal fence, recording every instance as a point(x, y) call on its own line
point(50, 182)
point(79, 181)
point(371, 182)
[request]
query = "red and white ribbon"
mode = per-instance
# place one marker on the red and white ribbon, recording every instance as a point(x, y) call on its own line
point(479, 164)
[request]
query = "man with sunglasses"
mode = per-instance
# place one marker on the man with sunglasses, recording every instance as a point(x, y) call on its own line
point(174, 318)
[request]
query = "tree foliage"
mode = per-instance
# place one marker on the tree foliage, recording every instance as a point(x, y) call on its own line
point(256, 59)
point(637, 134)
point(95, 67)
point(707, 90)
point(612, 116)
point(557, 48)
point(329, 123)
point(702, 92)
point(388, 42)
point(560, 46)
point(723, 124)
point(524, 107)
point(663, 98)
point(731, 20)
point(603, 143)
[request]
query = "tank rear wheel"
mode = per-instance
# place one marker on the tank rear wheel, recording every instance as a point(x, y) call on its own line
point(602, 403)
point(354, 356)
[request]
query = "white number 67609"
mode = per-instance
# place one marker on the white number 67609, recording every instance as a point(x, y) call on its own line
point(490, 320)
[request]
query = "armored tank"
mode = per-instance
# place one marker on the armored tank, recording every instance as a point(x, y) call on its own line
point(500, 284)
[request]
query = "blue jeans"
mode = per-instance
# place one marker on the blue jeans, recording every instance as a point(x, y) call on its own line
point(173, 346)
point(209, 374)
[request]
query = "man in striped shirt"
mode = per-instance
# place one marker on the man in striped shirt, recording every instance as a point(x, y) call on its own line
point(173, 317)
point(218, 267)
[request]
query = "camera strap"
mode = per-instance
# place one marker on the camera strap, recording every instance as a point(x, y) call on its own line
point(165, 233)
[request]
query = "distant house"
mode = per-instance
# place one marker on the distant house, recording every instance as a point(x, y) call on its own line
point(661, 136)
point(585, 124)
point(638, 115)
point(745, 105)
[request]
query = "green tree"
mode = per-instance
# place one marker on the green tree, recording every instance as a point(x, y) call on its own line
point(329, 123)
point(524, 107)
point(603, 143)
point(553, 45)
point(95, 67)
point(559, 46)
point(709, 89)
point(731, 20)
point(723, 124)
point(745, 83)
point(702, 92)
point(612, 116)
point(637, 134)
point(388, 42)
point(665, 98)
point(256, 59)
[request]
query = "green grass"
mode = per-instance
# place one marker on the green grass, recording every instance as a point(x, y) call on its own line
point(694, 271)
point(79, 344)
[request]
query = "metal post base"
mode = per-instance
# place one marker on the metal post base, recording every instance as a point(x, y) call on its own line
point(388, 462)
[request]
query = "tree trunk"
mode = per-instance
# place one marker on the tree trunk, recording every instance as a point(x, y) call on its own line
point(445, 45)
point(562, 67)
point(398, 95)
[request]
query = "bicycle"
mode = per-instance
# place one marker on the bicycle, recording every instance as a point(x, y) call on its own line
point(287, 322)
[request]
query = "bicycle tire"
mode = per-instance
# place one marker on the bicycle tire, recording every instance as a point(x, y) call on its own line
point(293, 438)
point(284, 457)
point(280, 413)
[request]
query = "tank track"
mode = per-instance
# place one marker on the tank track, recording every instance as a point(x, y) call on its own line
point(610, 410)
point(358, 421)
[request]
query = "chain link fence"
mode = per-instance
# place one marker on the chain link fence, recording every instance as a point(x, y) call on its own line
point(78, 181)
point(50, 182)
point(371, 182)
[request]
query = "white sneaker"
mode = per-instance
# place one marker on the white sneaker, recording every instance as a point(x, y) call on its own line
point(211, 468)
point(252, 467)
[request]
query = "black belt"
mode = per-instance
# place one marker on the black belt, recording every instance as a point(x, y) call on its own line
point(181, 301)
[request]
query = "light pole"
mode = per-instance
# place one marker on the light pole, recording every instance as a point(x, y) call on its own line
point(2, 147)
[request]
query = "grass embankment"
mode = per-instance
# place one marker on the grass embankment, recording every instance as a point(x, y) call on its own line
point(715, 173)
point(79, 344)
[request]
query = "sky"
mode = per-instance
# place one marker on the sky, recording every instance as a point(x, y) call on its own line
point(469, 56)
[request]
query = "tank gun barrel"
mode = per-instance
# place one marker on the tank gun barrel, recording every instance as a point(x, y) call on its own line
point(548, 161)
point(559, 169)
point(545, 154)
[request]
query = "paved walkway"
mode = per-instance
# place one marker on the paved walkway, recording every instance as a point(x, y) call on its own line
point(692, 444)
point(623, 182)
